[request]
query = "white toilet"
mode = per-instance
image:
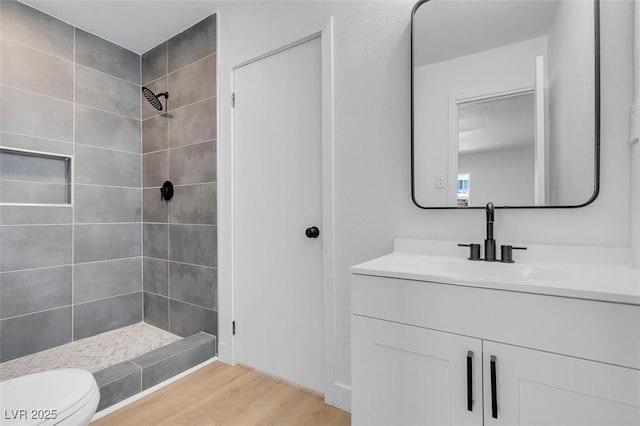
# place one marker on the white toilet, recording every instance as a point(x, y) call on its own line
point(66, 396)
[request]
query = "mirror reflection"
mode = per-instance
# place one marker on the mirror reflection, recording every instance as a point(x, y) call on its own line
point(496, 147)
point(504, 103)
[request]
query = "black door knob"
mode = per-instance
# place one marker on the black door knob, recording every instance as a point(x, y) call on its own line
point(312, 232)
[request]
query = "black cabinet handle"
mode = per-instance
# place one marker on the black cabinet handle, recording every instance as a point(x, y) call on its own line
point(494, 389)
point(470, 381)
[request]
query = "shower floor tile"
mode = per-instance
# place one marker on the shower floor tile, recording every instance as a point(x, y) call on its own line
point(93, 353)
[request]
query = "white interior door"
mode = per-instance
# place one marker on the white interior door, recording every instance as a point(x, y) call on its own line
point(278, 195)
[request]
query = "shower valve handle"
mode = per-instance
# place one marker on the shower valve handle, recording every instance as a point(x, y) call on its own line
point(166, 192)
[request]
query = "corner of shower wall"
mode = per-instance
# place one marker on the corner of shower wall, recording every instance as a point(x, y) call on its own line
point(68, 271)
point(179, 145)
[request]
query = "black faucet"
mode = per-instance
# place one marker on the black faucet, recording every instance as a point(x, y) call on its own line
point(489, 242)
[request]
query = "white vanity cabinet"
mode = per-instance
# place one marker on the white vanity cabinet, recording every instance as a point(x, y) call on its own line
point(404, 375)
point(558, 360)
point(544, 389)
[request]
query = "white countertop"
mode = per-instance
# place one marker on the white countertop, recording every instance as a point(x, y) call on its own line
point(593, 273)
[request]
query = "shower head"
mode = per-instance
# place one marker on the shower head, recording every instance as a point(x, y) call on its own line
point(153, 98)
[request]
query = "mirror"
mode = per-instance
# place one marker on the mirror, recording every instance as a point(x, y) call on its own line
point(505, 103)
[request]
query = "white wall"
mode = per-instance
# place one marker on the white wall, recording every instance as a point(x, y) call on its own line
point(635, 150)
point(372, 141)
point(503, 176)
point(571, 103)
point(492, 71)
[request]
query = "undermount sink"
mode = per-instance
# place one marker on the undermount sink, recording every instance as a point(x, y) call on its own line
point(490, 271)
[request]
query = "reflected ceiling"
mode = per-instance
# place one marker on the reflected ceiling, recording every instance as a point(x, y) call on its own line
point(444, 31)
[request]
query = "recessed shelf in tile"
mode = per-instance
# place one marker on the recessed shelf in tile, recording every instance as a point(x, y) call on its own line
point(34, 178)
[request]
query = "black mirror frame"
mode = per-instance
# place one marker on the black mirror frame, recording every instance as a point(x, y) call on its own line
point(596, 189)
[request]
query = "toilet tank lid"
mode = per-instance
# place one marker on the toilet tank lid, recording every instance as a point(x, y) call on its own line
point(50, 390)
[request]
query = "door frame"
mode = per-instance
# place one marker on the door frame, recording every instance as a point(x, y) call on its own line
point(456, 99)
point(333, 392)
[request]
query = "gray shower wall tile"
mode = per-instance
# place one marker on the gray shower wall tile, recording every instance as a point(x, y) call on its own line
point(120, 388)
point(172, 349)
point(194, 204)
point(11, 140)
point(158, 86)
point(193, 284)
point(107, 314)
point(26, 247)
point(154, 134)
point(194, 244)
point(154, 209)
point(194, 123)
point(35, 29)
point(98, 280)
point(34, 193)
point(154, 169)
point(106, 241)
point(183, 361)
point(156, 310)
point(28, 334)
point(97, 204)
point(155, 240)
point(193, 83)
point(35, 215)
point(106, 130)
point(22, 67)
point(115, 372)
point(193, 44)
point(102, 55)
point(25, 292)
point(105, 167)
point(35, 115)
point(188, 319)
point(193, 164)
point(154, 63)
point(156, 276)
point(102, 91)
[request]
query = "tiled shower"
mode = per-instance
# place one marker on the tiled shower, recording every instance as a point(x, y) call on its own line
point(86, 244)
point(180, 146)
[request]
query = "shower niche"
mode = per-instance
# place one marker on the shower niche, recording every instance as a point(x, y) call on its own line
point(34, 178)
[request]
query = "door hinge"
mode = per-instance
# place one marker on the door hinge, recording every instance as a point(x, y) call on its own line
point(233, 100)
point(233, 326)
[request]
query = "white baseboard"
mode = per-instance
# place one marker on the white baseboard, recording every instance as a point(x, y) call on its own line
point(149, 391)
point(341, 396)
point(224, 353)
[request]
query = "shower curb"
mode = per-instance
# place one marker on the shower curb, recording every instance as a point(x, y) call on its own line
point(126, 379)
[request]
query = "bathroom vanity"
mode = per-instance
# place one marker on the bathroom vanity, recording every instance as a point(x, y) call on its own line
point(552, 339)
point(498, 114)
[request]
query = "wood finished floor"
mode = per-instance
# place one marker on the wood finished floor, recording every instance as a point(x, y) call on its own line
point(219, 394)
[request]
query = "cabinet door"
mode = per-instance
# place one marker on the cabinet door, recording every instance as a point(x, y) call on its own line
point(535, 388)
point(404, 375)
